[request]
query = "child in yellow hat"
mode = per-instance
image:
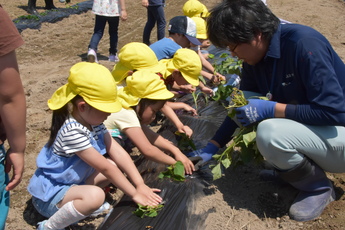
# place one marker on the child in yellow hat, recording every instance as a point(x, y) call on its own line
point(72, 168)
point(208, 71)
point(143, 96)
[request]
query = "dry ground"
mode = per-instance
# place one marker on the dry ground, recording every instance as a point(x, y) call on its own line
point(237, 201)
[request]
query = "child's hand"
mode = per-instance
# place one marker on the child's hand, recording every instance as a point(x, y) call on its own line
point(189, 108)
point(217, 78)
point(188, 164)
point(123, 15)
point(207, 90)
point(188, 88)
point(145, 3)
point(185, 129)
point(147, 196)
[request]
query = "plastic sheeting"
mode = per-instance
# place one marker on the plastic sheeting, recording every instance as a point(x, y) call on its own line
point(179, 204)
point(51, 16)
point(180, 197)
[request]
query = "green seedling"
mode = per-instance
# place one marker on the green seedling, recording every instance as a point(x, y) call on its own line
point(148, 211)
point(244, 140)
point(175, 172)
point(184, 142)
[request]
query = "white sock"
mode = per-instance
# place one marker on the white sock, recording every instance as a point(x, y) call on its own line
point(64, 217)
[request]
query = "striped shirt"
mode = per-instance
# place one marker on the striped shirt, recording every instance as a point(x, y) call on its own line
point(74, 137)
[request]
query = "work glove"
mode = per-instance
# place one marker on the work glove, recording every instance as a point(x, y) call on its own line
point(256, 110)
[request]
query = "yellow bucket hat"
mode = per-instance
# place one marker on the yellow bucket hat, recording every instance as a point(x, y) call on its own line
point(193, 8)
point(205, 13)
point(188, 62)
point(143, 84)
point(135, 56)
point(93, 82)
point(200, 27)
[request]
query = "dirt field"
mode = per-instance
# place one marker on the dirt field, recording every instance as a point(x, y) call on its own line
point(237, 201)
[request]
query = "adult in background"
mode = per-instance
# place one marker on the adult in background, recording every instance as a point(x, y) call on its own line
point(12, 113)
point(301, 128)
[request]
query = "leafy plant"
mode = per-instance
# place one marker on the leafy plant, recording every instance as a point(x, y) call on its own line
point(175, 172)
point(226, 64)
point(244, 140)
point(223, 92)
point(149, 211)
point(184, 142)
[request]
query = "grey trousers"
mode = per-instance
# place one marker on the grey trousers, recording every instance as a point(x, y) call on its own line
point(284, 143)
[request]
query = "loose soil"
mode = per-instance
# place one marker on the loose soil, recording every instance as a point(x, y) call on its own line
point(237, 201)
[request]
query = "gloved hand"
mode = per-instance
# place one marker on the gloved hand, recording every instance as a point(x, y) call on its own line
point(256, 110)
point(205, 153)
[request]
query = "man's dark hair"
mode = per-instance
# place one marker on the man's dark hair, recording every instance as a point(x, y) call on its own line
point(238, 21)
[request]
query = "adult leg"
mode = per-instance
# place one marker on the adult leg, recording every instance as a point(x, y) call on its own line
point(113, 23)
point(160, 18)
point(300, 153)
point(150, 23)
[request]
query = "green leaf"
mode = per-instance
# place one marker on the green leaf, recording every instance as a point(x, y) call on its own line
point(249, 138)
point(226, 163)
point(217, 172)
point(175, 172)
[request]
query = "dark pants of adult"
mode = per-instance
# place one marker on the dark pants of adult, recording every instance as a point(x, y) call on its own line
point(155, 14)
point(98, 32)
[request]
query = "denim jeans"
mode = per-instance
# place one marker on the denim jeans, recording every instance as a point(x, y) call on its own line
point(49, 208)
point(155, 14)
point(100, 22)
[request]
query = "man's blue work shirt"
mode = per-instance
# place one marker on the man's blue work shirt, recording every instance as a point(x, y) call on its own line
point(301, 69)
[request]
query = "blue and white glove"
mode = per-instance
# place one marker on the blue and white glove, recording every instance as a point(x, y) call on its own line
point(256, 110)
point(205, 153)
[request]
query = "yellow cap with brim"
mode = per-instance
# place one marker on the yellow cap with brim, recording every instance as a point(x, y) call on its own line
point(201, 32)
point(193, 8)
point(188, 63)
point(205, 13)
point(143, 84)
point(136, 56)
point(94, 83)
point(119, 72)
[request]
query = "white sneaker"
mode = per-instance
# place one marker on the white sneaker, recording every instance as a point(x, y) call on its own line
point(92, 56)
point(105, 206)
point(113, 58)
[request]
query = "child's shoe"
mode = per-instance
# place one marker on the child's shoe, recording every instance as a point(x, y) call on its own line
point(113, 58)
point(105, 206)
point(40, 226)
point(92, 56)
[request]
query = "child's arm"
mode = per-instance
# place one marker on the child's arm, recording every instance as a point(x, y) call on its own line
point(139, 139)
point(115, 175)
point(181, 105)
point(205, 89)
point(171, 115)
point(167, 146)
point(209, 71)
point(123, 13)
